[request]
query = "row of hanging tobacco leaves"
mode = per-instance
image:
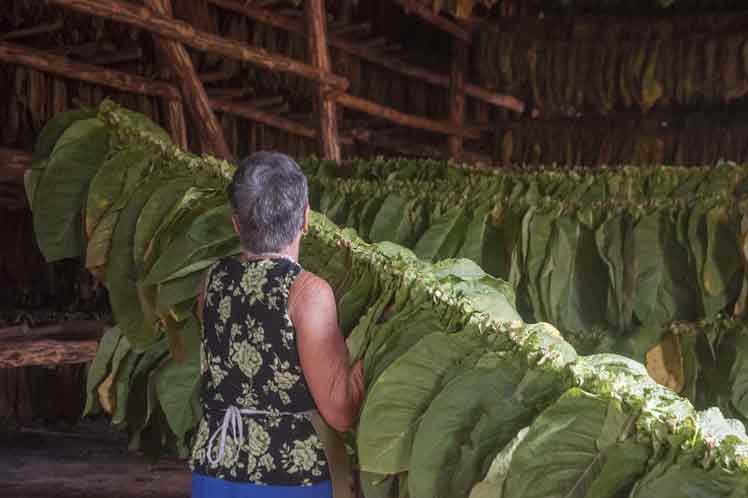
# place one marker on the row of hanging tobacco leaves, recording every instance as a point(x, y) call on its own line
point(463, 398)
point(617, 259)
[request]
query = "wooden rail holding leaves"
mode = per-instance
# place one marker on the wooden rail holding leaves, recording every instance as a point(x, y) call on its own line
point(462, 397)
point(610, 256)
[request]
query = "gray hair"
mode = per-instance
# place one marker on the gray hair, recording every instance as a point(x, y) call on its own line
point(269, 195)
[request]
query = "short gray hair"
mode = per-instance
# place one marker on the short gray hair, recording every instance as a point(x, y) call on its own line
point(269, 195)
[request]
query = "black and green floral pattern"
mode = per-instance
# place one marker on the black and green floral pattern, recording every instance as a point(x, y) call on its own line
point(249, 360)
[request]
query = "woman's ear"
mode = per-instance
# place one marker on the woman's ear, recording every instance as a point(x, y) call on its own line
point(235, 221)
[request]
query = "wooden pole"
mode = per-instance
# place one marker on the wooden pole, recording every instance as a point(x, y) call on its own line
point(208, 128)
point(176, 123)
point(369, 54)
point(403, 119)
point(329, 146)
point(457, 96)
point(62, 66)
point(146, 19)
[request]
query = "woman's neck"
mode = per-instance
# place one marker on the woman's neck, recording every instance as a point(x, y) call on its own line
point(290, 252)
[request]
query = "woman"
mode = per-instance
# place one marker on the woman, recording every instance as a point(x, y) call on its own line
point(273, 357)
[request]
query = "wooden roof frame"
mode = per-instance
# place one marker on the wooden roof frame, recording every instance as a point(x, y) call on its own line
point(171, 35)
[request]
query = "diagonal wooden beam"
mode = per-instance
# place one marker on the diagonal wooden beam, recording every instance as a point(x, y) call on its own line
point(62, 66)
point(144, 18)
point(208, 128)
point(369, 54)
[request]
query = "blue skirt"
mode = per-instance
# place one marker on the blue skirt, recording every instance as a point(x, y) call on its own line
point(211, 487)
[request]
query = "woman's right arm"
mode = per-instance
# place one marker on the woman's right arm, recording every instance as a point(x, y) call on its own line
point(335, 384)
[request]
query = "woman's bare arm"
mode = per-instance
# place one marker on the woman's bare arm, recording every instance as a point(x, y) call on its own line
point(336, 386)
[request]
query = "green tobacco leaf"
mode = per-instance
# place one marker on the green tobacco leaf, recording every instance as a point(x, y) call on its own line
point(99, 368)
point(388, 219)
point(492, 484)
point(475, 236)
point(397, 400)
point(682, 476)
point(556, 282)
point(353, 304)
point(444, 236)
point(137, 402)
point(739, 375)
point(540, 233)
point(143, 123)
point(397, 336)
point(723, 263)
point(121, 386)
point(195, 201)
point(176, 381)
point(577, 448)
point(111, 181)
point(368, 216)
point(475, 416)
point(61, 195)
point(614, 243)
point(161, 202)
point(378, 486)
point(653, 304)
point(45, 143)
point(121, 274)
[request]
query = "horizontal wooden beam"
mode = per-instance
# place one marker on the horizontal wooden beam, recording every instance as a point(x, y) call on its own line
point(144, 18)
point(364, 27)
point(72, 330)
point(253, 113)
point(116, 57)
point(122, 81)
point(35, 30)
point(62, 66)
point(435, 19)
point(14, 157)
point(369, 54)
point(404, 119)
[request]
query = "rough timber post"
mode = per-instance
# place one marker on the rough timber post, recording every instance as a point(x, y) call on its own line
point(457, 102)
point(193, 92)
point(329, 144)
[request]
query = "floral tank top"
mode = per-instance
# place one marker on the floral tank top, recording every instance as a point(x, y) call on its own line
point(249, 361)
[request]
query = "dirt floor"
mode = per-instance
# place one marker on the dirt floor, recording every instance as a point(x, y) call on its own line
point(88, 461)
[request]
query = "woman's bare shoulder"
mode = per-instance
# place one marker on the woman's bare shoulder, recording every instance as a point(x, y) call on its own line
point(311, 287)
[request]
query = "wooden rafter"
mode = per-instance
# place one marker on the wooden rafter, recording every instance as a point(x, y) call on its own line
point(134, 84)
point(435, 19)
point(369, 54)
point(144, 18)
point(327, 117)
point(35, 30)
point(62, 66)
point(253, 113)
point(208, 128)
point(404, 119)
